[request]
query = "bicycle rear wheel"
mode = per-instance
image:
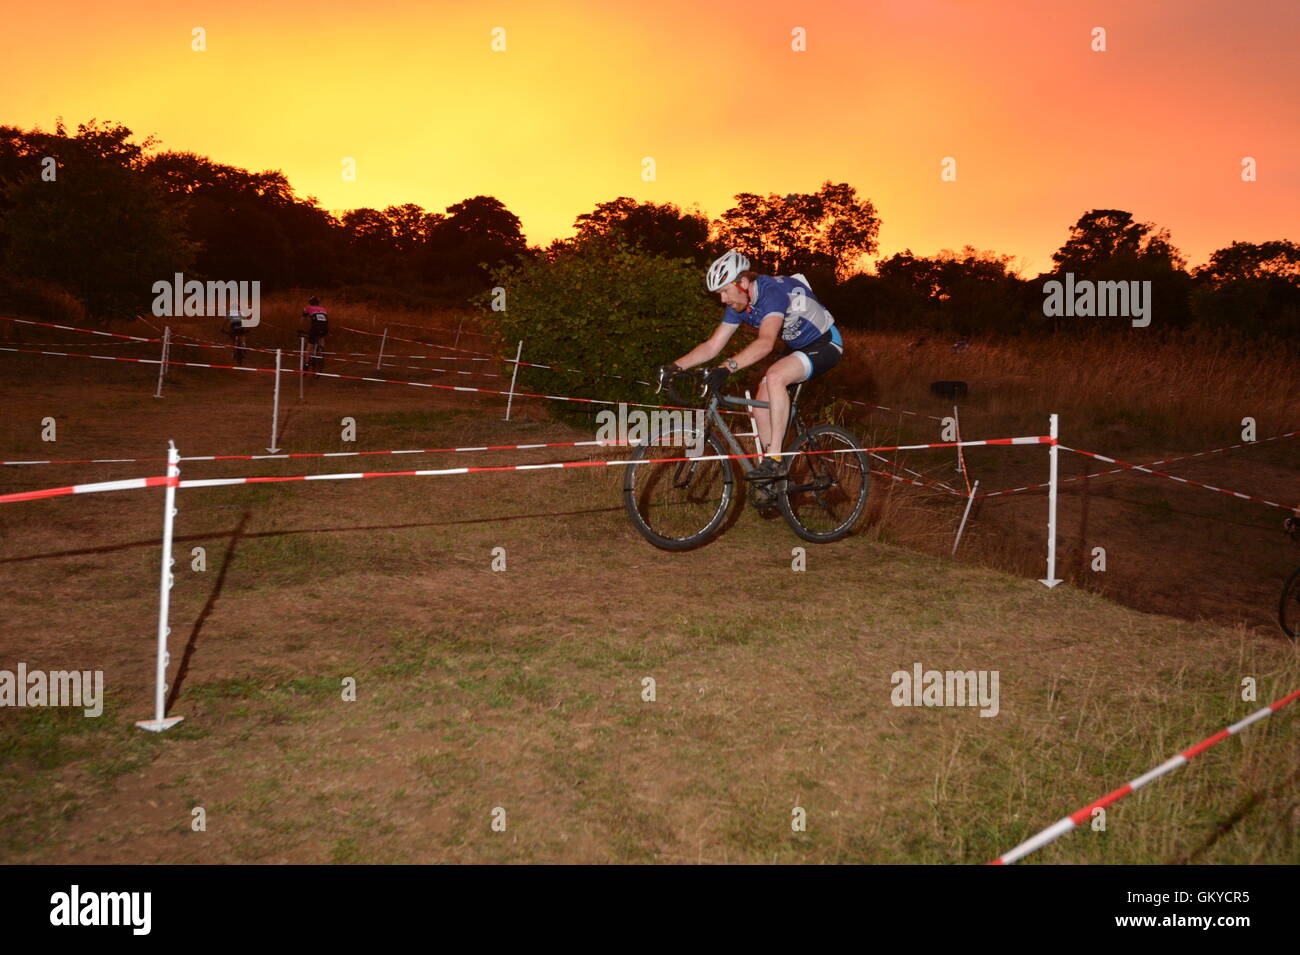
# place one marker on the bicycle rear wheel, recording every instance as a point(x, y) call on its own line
point(1288, 614)
point(678, 504)
point(826, 492)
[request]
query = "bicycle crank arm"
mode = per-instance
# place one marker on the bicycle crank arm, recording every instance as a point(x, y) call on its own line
point(819, 484)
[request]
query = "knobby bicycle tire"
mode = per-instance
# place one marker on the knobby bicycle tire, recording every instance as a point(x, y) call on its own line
point(708, 486)
point(818, 484)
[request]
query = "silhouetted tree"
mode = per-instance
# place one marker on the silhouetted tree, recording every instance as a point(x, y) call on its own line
point(964, 292)
point(1248, 260)
point(475, 232)
point(1104, 236)
point(1251, 288)
point(247, 225)
point(657, 229)
point(388, 245)
point(101, 230)
point(829, 230)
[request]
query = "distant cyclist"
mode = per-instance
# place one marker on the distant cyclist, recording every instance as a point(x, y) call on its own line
point(779, 307)
point(234, 327)
point(317, 327)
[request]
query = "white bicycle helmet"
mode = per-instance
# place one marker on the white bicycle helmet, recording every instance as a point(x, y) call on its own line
point(726, 269)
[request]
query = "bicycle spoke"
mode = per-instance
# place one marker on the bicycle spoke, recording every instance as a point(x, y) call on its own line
point(826, 491)
point(677, 500)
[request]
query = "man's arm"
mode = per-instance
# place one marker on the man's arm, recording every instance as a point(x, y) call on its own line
point(708, 350)
point(762, 346)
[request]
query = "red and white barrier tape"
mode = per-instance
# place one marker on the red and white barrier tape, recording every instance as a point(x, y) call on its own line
point(422, 328)
point(73, 328)
point(1173, 477)
point(344, 361)
point(1149, 464)
point(1055, 831)
point(618, 462)
point(212, 343)
point(349, 454)
point(209, 343)
point(507, 361)
point(389, 364)
point(66, 344)
point(375, 355)
point(916, 414)
point(127, 485)
point(1030, 439)
point(925, 484)
point(330, 454)
point(916, 474)
point(410, 341)
point(336, 356)
point(384, 381)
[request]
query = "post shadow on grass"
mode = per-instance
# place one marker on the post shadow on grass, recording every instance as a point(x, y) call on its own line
point(1279, 789)
point(286, 415)
point(183, 669)
point(1080, 553)
point(197, 538)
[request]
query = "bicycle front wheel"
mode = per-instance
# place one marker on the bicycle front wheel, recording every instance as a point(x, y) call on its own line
point(826, 491)
point(1288, 614)
point(678, 504)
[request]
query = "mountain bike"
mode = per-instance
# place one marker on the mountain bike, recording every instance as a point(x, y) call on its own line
point(678, 501)
point(239, 343)
point(313, 358)
point(1288, 611)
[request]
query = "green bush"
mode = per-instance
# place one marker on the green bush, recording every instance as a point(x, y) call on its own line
point(605, 309)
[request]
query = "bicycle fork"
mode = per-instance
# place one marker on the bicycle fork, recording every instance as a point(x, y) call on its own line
point(685, 470)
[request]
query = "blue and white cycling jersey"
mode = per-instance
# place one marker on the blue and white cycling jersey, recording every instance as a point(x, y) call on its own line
point(805, 318)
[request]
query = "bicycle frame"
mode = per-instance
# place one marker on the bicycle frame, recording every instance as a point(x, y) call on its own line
point(806, 494)
point(714, 419)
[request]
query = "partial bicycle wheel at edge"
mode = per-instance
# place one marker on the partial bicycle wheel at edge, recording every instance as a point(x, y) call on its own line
point(826, 492)
point(678, 504)
point(1288, 612)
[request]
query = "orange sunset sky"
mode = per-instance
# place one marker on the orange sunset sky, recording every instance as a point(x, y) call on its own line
point(1041, 127)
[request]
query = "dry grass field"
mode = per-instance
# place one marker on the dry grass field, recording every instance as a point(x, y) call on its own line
point(522, 689)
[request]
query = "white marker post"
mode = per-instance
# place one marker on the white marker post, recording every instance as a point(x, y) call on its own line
point(511, 398)
point(302, 364)
point(160, 719)
point(275, 406)
point(1051, 580)
point(969, 501)
point(162, 365)
point(379, 361)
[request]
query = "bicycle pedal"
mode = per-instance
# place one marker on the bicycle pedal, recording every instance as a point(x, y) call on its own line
point(764, 498)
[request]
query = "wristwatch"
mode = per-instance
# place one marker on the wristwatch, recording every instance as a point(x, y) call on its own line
point(731, 365)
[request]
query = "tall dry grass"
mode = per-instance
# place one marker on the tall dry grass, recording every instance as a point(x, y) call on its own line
point(1136, 388)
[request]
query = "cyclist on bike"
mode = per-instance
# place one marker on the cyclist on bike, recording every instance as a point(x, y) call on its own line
point(317, 323)
point(234, 327)
point(779, 307)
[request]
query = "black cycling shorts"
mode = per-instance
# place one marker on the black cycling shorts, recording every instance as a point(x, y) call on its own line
point(822, 355)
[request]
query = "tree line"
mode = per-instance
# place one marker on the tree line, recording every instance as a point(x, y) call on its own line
point(95, 216)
